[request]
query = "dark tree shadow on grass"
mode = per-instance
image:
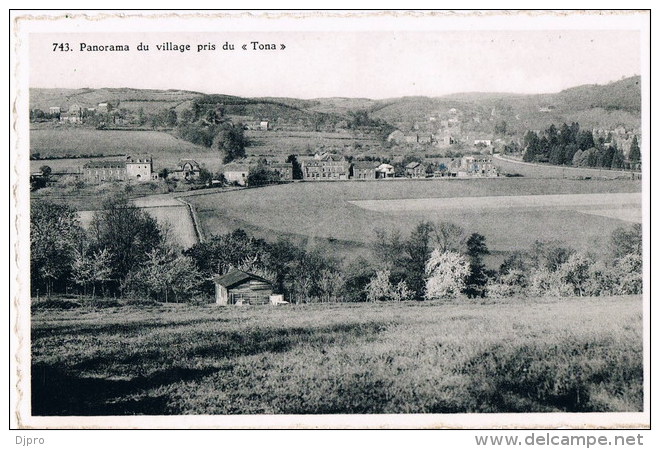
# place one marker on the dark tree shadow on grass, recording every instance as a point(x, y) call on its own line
point(71, 390)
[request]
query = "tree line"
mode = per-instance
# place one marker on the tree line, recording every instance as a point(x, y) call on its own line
point(126, 253)
point(569, 145)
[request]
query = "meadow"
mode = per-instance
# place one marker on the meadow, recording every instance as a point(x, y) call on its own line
point(509, 165)
point(522, 355)
point(280, 144)
point(61, 141)
point(334, 213)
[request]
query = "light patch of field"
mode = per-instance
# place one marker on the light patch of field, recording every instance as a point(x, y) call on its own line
point(500, 202)
point(170, 213)
point(632, 215)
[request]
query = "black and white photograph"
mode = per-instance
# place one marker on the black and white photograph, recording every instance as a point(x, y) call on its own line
point(332, 219)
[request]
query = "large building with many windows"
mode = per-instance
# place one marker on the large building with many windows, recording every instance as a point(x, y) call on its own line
point(139, 168)
point(326, 167)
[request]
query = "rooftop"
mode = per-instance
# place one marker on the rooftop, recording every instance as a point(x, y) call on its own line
point(236, 277)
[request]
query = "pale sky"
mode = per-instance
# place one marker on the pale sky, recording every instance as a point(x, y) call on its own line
point(378, 64)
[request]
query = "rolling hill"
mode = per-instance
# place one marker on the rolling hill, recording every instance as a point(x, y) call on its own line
point(609, 105)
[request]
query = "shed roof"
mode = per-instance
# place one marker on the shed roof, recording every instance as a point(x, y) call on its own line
point(236, 277)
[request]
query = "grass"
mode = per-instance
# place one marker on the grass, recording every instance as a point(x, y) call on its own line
point(322, 211)
point(531, 355)
point(280, 144)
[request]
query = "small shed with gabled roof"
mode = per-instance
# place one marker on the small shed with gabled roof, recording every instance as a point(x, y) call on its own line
point(240, 287)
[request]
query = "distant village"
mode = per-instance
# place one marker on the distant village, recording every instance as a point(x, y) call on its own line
point(320, 167)
point(442, 130)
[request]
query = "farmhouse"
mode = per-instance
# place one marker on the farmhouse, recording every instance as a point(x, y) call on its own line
point(240, 287)
point(187, 169)
point(364, 170)
point(326, 167)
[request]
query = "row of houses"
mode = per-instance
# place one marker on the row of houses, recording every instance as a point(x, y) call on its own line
point(76, 113)
point(322, 167)
point(334, 167)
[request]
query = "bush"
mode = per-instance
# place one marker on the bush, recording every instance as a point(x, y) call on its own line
point(55, 304)
point(548, 283)
point(140, 302)
point(102, 303)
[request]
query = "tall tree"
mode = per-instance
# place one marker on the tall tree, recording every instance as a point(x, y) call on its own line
point(449, 236)
point(478, 277)
point(126, 232)
point(635, 155)
point(418, 249)
point(297, 168)
point(585, 140)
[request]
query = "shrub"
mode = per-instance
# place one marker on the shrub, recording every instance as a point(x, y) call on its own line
point(446, 274)
point(548, 283)
point(55, 303)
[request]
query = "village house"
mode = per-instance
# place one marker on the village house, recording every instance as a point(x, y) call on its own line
point(364, 170)
point(236, 172)
point(242, 288)
point(385, 171)
point(187, 169)
point(285, 170)
point(415, 170)
point(445, 167)
point(54, 110)
point(424, 138)
point(477, 166)
point(139, 167)
point(264, 125)
point(326, 167)
point(68, 117)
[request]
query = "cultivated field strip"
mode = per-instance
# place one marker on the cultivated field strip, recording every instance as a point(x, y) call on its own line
point(502, 202)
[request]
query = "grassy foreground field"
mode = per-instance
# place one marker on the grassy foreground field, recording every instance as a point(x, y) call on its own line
point(531, 355)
